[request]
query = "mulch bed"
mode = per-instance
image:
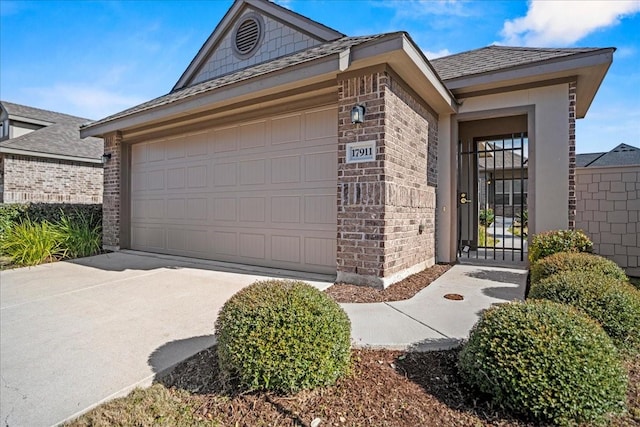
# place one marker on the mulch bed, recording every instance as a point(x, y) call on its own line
point(405, 289)
point(385, 388)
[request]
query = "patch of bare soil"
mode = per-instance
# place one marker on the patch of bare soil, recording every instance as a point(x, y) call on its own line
point(405, 289)
point(387, 388)
point(384, 388)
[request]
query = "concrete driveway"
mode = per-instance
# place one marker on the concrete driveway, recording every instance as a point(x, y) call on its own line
point(74, 334)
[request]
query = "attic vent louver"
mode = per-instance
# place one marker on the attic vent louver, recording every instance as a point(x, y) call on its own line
point(248, 35)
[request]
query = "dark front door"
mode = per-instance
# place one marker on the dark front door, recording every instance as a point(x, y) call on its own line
point(492, 197)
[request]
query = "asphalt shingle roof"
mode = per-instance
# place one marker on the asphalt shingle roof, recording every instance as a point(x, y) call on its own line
point(61, 137)
point(320, 51)
point(622, 155)
point(494, 58)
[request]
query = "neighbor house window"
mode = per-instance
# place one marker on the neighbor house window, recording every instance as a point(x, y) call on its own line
point(508, 192)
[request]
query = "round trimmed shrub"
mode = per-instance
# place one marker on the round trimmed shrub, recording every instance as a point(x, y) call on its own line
point(551, 242)
point(283, 336)
point(612, 302)
point(545, 360)
point(567, 261)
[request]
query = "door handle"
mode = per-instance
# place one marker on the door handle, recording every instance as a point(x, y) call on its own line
point(463, 199)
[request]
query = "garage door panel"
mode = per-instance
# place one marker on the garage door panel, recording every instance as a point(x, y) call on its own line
point(225, 209)
point(225, 243)
point(224, 140)
point(252, 245)
point(261, 193)
point(321, 167)
point(197, 145)
point(286, 209)
point(320, 251)
point(285, 170)
point(285, 248)
point(252, 172)
point(176, 208)
point(286, 130)
point(197, 176)
point(225, 174)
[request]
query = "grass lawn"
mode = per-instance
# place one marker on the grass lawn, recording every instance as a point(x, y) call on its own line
point(387, 388)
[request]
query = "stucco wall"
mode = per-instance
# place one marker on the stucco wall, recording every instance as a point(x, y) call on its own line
point(35, 179)
point(608, 210)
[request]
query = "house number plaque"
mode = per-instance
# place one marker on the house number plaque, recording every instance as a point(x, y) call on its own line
point(363, 151)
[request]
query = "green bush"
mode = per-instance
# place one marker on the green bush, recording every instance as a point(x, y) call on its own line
point(31, 243)
point(551, 242)
point(283, 336)
point(567, 261)
point(546, 361)
point(610, 301)
point(10, 214)
point(81, 235)
point(486, 217)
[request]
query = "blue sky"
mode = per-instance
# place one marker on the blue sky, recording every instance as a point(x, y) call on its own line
point(95, 58)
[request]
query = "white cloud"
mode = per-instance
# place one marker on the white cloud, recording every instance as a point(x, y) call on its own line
point(81, 100)
point(562, 22)
point(436, 54)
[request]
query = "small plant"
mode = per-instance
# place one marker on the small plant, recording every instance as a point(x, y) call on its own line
point(29, 243)
point(81, 235)
point(573, 261)
point(486, 217)
point(545, 360)
point(551, 242)
point(283, 336)
point(484, 240)
point(612, 302)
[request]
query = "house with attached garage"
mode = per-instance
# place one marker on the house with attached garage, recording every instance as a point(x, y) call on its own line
point(43, 159)
point(288, 144)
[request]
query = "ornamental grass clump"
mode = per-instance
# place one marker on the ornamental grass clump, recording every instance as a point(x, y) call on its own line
point(551, 242)
point(546, 361)
point(568, 261)
point(282, 336)
point(29, 243)
point(612, 302)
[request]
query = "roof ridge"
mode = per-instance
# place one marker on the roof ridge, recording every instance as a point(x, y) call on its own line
point(28, 107)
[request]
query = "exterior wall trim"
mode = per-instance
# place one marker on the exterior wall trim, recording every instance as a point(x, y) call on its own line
point(8, 150)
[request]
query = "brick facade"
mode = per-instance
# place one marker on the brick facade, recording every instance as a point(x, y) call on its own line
point(572, 155)
point(608, 210)
point(43, 180)
point(386, 208)
point(111, 197)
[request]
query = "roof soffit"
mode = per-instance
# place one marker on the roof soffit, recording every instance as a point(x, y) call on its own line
point(588, 69)
point(304, 25)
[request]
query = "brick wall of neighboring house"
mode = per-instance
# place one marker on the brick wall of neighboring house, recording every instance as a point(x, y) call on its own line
point(38, 179)
point(382, 204)
point(111, 197)
point(572, 154)
point(608, 210)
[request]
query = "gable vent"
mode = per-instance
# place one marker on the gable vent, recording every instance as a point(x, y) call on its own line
point(247, 36)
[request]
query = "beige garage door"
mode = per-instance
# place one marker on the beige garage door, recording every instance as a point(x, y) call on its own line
point(259, 193)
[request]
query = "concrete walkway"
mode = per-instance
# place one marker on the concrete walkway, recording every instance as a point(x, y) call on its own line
point(74, 334)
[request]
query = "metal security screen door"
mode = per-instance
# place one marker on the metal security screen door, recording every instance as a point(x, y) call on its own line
point(492, 197)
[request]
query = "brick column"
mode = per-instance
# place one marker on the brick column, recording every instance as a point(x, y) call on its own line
point(111, 195)
point(572, 155)
point(386, 207)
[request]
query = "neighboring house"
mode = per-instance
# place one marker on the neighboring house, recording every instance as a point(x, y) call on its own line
point(43, 159)
point(608, 204)
point(258, 156)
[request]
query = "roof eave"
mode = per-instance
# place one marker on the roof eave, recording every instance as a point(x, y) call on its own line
point(8, 150)
point(408, 61)
point(589, 69)
point(306, 73)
